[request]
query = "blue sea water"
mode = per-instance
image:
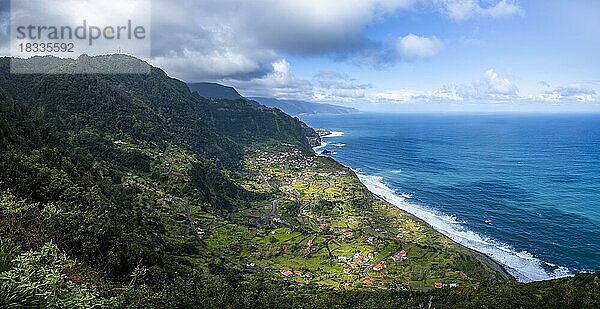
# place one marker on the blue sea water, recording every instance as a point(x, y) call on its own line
point(523, 189)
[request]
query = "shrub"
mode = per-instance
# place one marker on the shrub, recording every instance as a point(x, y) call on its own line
point(39, 279)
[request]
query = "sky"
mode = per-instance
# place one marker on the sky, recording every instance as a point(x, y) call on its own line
point(388, 55)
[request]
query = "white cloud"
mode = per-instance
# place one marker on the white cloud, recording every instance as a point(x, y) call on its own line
point(446, 94)
point(395, 96)
point(332, 86)
point(338, 95)
point(214, 39)
point(409, 96)
point(585, 98)
point(491, 88)
point(413, 47)
point(280, 83)
point(245, 41)
point(569, 93)
point(499, 85)
point(199, 65)
point(461, 10)
point(547, 96)
point(72, 13)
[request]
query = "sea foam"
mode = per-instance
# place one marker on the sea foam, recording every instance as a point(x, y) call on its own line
point(334, 134)
point(522, 265)
point(319, 149)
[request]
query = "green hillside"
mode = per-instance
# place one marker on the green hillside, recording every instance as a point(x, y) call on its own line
point(130, 190)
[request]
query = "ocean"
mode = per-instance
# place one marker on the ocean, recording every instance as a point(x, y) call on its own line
point(523, 189)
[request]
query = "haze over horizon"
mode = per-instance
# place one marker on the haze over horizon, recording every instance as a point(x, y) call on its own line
point(386, 55)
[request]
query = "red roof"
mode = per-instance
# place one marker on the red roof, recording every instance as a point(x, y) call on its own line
point(438, 284)
point(378, 267)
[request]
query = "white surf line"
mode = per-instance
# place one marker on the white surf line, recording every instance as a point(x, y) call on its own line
point(319, 149)
point(333, 134)
point(523, 265)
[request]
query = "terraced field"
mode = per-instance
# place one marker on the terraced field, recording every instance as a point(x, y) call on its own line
point(322, 224)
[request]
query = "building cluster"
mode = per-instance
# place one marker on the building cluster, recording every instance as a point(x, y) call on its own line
point(292, 158)
point(399, 256)
point(440, 285)
point(356, 261)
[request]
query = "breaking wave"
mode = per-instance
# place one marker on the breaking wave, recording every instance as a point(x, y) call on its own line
point(522, 265)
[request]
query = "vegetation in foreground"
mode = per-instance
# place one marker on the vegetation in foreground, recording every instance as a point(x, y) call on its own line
point(130, 190)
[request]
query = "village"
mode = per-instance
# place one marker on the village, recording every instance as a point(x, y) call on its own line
point(317, 224)
point(326, 227)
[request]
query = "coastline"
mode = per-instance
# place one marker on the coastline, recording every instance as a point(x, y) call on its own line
point(482, 257)
point(487, 260)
